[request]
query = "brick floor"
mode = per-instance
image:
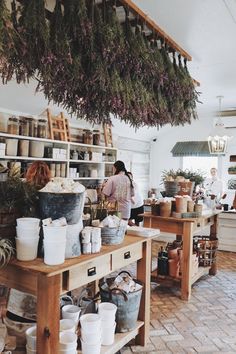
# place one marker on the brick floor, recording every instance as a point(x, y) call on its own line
point(205, 324)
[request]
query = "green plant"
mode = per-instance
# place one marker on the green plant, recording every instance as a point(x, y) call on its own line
point(17, 194)
point(6, 252)
point(194, 176)
point(232, 184)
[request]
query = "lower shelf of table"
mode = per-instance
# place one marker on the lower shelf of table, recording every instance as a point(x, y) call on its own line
point(120, 340)
point(176, 281)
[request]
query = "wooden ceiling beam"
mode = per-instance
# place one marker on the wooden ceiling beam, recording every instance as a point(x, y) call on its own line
point(153, 26)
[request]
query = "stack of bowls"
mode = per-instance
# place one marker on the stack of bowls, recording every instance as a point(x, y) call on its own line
point(107, 312)
point(90, 333)
point(27, 231)
point(54, 239)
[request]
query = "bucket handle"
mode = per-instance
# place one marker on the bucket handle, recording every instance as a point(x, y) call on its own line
point(85, 291)
point(121, 291)
point(125, 271)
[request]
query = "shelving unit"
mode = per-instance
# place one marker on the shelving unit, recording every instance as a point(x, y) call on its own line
point(80, 164)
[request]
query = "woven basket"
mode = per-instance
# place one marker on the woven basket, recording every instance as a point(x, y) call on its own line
point(206, 250)
point(114, 235)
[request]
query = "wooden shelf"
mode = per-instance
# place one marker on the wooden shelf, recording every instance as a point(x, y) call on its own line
point(89, 161)
point(27, 158)
point(120, 340)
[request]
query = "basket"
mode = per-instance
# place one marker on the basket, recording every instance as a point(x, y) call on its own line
point(127, 305)
point(206, 250)
point(114, 235)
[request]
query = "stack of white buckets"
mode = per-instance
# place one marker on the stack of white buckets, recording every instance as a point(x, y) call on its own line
point(98, 329)
point(27, 231)
point(54, 239)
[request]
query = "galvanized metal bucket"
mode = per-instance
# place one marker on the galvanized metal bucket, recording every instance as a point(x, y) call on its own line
point(114, 235)
point(128, 305)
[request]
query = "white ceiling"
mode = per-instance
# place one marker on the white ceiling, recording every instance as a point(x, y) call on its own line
point(206, 29)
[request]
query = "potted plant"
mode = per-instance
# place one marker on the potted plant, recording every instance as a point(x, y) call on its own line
point(17, 199)
point(181, 181)
point(6, 252)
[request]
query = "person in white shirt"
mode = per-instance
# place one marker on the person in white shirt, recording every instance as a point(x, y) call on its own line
point(136, 205)
point(213, 185)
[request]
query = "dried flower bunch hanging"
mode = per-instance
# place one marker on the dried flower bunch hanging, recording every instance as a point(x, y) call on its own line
point(88, 62)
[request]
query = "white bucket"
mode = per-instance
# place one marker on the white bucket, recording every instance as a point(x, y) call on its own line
point(55, 233)
point(90, 348)
point(108, 334)
point(36, 149)
point(28, 222)
point(67, 325)
point(91, 322)
point(73, 246)
point(71, 312)
point(21, 232)
point(107, 311)
point(68, 340)
point(68, 351)
point(27, 248)
point(54, 252)
point(89, 338)
point(31, 337)
point(30, 351)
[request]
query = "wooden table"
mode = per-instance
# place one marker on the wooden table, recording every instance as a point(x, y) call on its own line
point(49, 282)
point(185, 229)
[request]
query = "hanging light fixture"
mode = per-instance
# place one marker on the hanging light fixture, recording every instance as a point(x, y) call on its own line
point(218, 141)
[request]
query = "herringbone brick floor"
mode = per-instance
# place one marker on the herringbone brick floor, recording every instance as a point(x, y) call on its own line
point(205, 324)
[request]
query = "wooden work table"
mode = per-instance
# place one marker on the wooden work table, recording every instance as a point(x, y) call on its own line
point(49, 282)
point(185, 229)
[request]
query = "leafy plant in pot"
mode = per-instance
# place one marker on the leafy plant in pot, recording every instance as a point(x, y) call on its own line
point(175, 181)
point(17, 199)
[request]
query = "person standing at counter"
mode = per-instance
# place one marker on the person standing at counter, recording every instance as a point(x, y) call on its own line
point(119, 188)
point(136, 205)
point(213, 185)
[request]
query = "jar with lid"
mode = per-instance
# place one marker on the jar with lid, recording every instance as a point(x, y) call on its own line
point(96, 137)
point(24, 126)
point(13, 125)
point(88, 137)
point(31, 122)
point(42, 128)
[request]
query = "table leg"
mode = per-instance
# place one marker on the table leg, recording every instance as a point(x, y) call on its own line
point(213, 236)
point(187, 261)
point(144, 275)
point(48, 314)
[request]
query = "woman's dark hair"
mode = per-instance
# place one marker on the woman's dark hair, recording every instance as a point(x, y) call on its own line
point(120, 167)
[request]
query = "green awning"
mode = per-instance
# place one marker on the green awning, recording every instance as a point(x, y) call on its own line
point(191, 148)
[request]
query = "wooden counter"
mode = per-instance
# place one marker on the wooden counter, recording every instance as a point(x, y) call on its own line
point(49, 282)
point(185, 229)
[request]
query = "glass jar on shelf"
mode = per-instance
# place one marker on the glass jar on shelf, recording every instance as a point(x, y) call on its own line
point(42, 128)
point(24, 127)
point(96, 137)
point(13, 125)
point(31, 123)
point(88, 137)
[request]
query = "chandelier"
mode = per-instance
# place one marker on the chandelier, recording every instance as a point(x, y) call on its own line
point(218, 140)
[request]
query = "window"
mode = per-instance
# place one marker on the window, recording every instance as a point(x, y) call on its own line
point(200, 163)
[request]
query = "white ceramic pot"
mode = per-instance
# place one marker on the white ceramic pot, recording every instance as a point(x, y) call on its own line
point(90, 322)
point(71, 312)
point(89, 338)
point(55, 233)
point(108, 334)
point(27, 233)
point(107, 311)
point(23, 148)
point(31, 337)
point(11, 147)
point(54, 252)
point(90, 348)
point(27, 248)
point(36, 149)
point(68, 340)
point(67, 325)
point(30, 351)
point(28, 222)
